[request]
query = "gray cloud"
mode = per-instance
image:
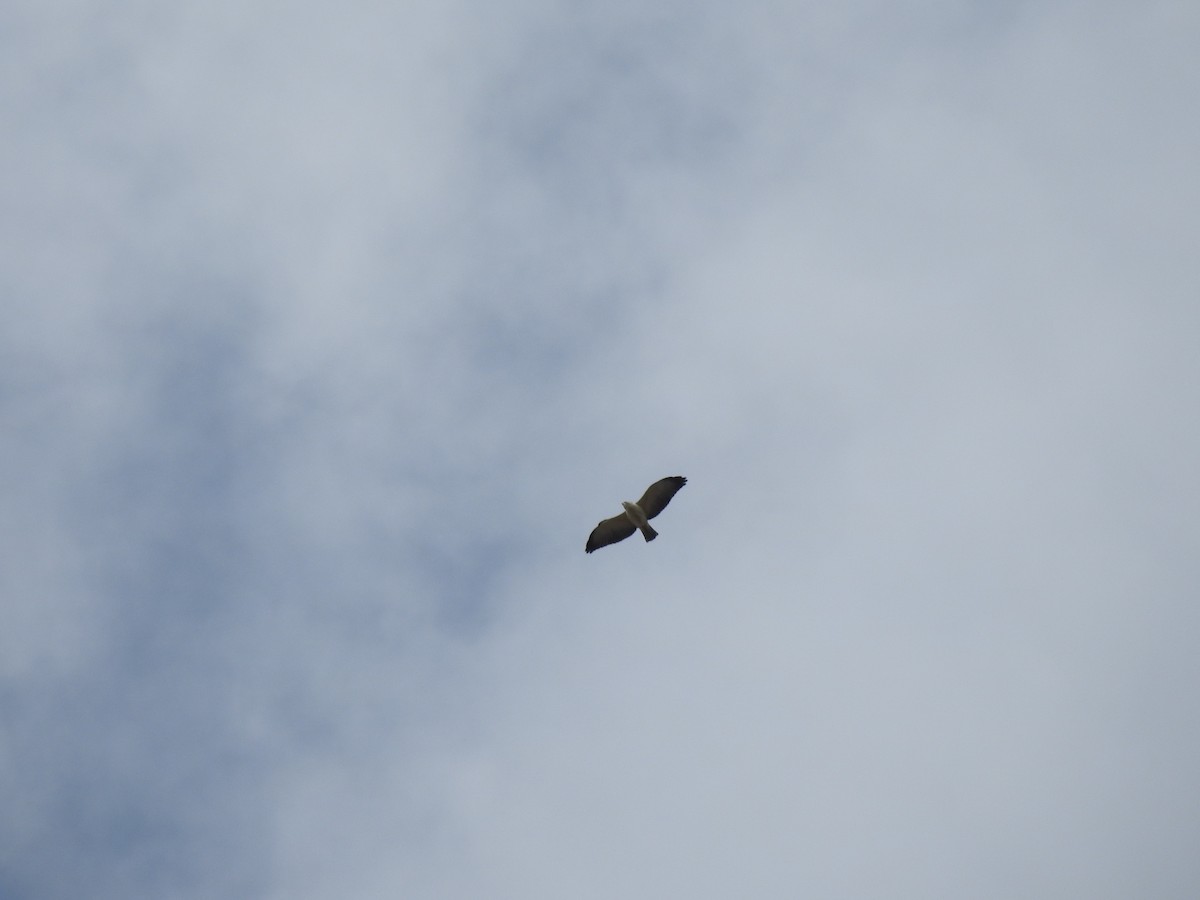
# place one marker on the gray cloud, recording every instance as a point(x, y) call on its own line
point(333, 333)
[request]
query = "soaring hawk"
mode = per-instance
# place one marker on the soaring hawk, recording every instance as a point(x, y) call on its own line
point(636, 515)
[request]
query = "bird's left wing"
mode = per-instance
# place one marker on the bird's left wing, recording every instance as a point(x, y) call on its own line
point(659, 494)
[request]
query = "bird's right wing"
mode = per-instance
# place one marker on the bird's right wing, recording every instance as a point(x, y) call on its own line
point(610, 531)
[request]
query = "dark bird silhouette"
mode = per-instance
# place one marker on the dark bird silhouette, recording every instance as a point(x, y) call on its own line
point(636, 515)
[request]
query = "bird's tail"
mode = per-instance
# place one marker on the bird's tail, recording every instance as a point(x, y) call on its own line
point(649, 533)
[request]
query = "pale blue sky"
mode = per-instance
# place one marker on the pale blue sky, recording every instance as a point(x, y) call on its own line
point(333, 330)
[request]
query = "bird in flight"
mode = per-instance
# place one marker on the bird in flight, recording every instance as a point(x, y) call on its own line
point(636, 515)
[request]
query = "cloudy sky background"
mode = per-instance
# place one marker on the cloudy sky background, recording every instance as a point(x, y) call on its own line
point(332, 330)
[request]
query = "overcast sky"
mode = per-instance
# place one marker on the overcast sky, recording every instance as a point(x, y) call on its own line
point(331, 330)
